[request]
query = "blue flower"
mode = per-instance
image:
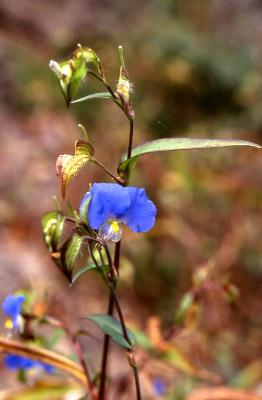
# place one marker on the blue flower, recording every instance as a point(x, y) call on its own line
point(110, 205)
point(159, 387)
point(11, 306)
point(16, 362)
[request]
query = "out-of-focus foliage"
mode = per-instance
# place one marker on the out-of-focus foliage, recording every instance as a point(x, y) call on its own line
point(196, 70)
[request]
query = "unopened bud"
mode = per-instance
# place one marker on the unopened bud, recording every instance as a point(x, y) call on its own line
point(55, 67)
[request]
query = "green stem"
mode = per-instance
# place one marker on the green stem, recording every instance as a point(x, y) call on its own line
point(121, 56)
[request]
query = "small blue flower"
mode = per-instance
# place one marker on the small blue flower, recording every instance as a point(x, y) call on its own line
point(16, 362)
point(159, 387)
point(109, 205)
point(11, 306)
point(13, 361)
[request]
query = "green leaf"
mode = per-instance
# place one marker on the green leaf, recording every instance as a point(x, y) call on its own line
point(143, 340)
point(185, 304)
point(112, 327)
point(68, 166)
point(55, 337)
point(52, 226)
point(86, 268)
point(177, 144)
point(103, 95)
point(83, 213)
point(72, 250)
point(175, 357)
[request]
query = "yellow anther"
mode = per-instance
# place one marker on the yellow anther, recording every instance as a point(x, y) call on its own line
point(115, 226)
point(9, 324)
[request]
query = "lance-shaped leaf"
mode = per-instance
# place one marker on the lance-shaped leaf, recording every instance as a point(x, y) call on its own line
point(100, 95)
point(125, 165)
point(52, 226)
point(88, 267)
point(112, 327)
point(68, 166)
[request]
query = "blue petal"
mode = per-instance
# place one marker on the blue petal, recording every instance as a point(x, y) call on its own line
point(12, 306)
point(13, 361)
point(159, 387)
point(140, 217)
point(49, 369)
point(109, 201)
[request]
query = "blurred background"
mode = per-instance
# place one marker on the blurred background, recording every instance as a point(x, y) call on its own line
point(192, 284)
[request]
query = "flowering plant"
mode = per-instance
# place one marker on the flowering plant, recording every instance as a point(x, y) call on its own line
point(103, 212)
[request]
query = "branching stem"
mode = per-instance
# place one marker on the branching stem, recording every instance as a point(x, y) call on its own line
point(78, 349)
point(101, 165)
point(114, 266)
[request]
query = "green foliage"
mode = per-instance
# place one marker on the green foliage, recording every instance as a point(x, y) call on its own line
point(177, 144)
point(185, 304)
point(72, 72)
point(83, 270)
point(113, 328)
point(103, 95)
point(53, 225)
point(72, 251)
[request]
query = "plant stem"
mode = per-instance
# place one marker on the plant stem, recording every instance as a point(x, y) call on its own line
point(131, 355)
point(108, 87)
point(115, 266)
point(78, 349)
point(105, 353)
point(131, 135)
point(116, 178)
point(110, 311)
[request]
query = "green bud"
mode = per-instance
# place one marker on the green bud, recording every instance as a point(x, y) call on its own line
point(71, 73)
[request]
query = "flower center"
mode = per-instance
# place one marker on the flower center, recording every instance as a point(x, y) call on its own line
point(111, 230)
point(9, 324)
